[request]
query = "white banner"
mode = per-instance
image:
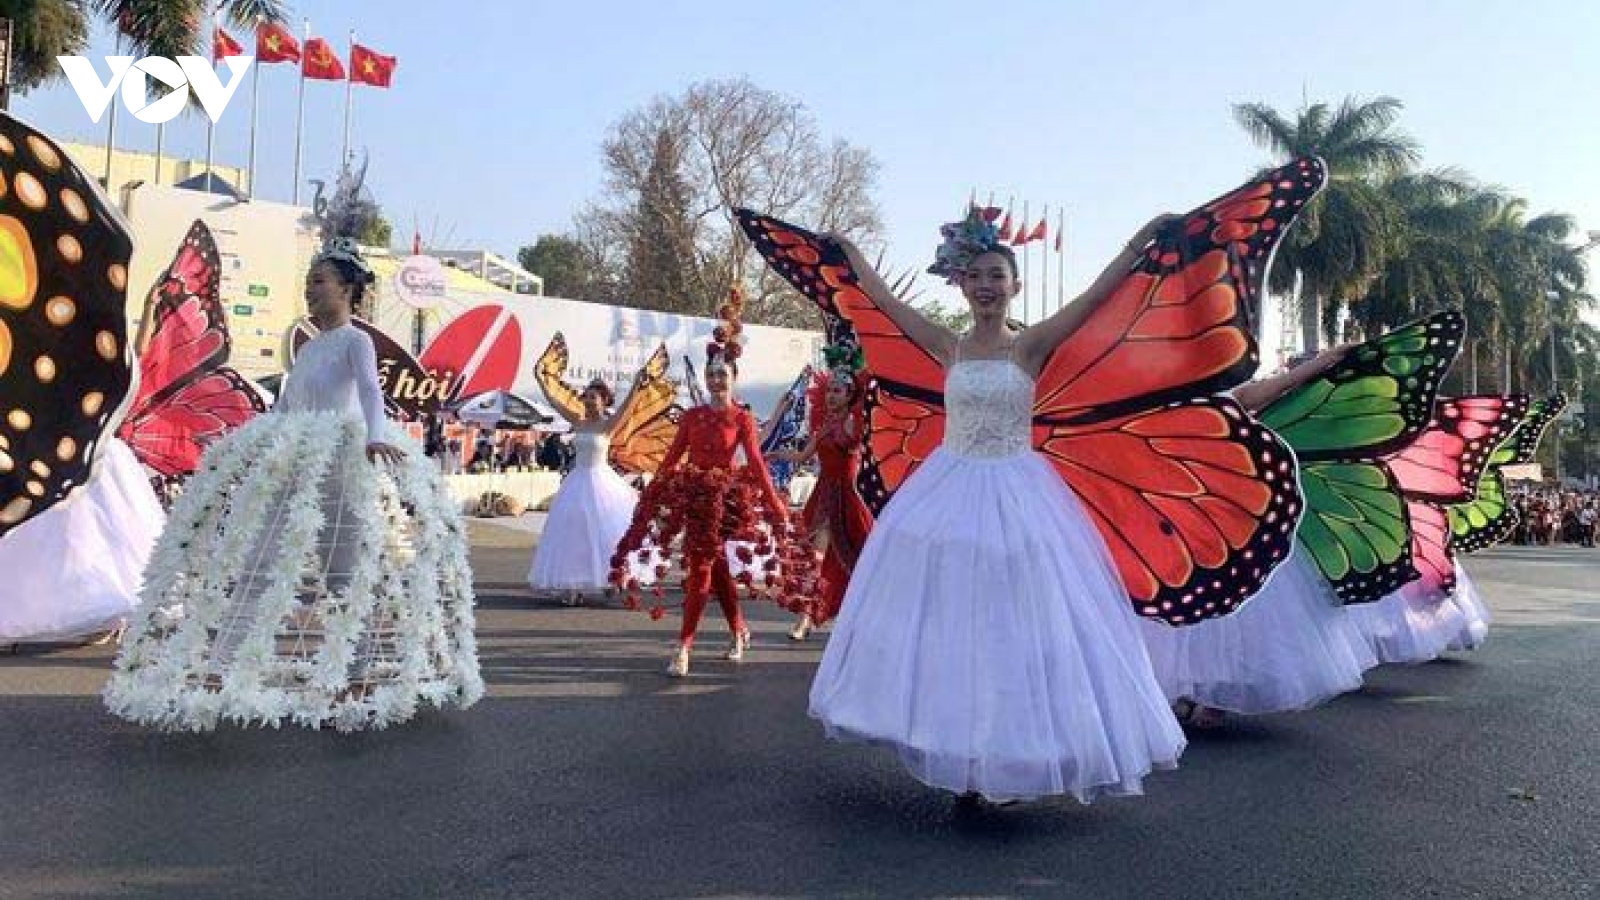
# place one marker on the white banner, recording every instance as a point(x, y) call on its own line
point(611, 342)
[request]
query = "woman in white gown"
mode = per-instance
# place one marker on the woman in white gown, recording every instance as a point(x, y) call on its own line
point(1407, 627)
point(985, 634)
point(1475, 616)
point(590, 512)
point(297, 580)
point(74, 570)
point(1291, 647)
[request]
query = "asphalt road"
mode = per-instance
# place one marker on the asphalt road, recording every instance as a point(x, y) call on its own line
point(586, 773)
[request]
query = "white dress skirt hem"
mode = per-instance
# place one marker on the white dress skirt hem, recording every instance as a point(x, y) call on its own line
point(75, 570)
point(1289, 648)
point(587, 517)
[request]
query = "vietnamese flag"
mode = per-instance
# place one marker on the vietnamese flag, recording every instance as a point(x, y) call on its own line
point(1058, 242)
point(1005, 229)
point(320, 62)
point(1039, 232)
point(223, 45)
point(370, 67)
point(274, 44)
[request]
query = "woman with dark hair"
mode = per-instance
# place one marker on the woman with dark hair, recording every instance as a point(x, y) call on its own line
point(590, 512)
point(835, 516)
point(986, 635)
point(715, 506)
point(315, 569)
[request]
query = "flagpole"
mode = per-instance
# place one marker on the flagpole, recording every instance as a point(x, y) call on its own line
point(1044, 265)
point(255, 104)
point(111, 130)
point(349, 94)
point(1025, 304)
point(161, 139)
point(300, 112)
point(211, 127)
point(1061, 257)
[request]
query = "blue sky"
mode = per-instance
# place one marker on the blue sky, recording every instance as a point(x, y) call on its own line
point(1120, 110)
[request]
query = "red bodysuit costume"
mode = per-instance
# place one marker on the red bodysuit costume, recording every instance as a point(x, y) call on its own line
point(699, 494)
point(835, 506)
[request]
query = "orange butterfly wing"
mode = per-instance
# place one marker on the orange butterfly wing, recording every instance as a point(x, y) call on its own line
point(905, 397)
point(644, 428)
point(1196, 501)
point(1178, 324)
point(550, 369)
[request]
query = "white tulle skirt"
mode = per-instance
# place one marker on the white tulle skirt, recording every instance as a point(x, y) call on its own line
point(1403, 628)
point(588, 516)
point(1474, 613)
point(1289, 648)
point(75, 569)
point(298, 582)
point(987, 638)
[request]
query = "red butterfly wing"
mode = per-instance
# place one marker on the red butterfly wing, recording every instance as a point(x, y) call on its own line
point(1442, 466)
point(905, 409)
point(189, 333)
point(1178, 324)
point(901, 432)
point(1430, 553)
point(171, 435)
point(1445, 461)
point(1196, 500)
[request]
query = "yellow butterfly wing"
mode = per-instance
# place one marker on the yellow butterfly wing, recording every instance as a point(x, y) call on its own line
point(648, 422)
point(549, 370)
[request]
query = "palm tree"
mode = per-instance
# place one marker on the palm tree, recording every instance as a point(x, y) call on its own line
point(1541, 282)
point(43, 30)
point(1435, 257)
point(178, 27)
point(1340, 239)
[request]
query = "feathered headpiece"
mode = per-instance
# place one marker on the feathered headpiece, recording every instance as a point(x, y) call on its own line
point(844, 362)
point(727, 339)
point(965, 241)
point(343, 216)
point(345, 249)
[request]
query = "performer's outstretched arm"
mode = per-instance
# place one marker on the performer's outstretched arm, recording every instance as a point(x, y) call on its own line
point(934, 338)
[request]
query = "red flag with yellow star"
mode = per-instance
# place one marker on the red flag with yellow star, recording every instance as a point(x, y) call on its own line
point(275, 44)
point(223, 45)
point(321, 62)
point(370, 67)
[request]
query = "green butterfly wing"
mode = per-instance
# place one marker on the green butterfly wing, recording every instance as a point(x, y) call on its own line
point(1355, 528)
point(1373, 402)
point(1489, 518)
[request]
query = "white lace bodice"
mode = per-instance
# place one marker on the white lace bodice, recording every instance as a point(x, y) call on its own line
point(336, 371)
point(988, 407)
point(591, 448)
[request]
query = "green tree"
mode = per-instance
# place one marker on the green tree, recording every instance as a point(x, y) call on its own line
point(179, 27)
point(1339, 240)
point(662, 269)
point(678, 166)
point(41, 31)
point(560, 260)
point(376, 231)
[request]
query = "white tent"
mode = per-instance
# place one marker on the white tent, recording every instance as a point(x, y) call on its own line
point(501, 409)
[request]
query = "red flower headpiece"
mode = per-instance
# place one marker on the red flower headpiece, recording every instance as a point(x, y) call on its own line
point(727, 339)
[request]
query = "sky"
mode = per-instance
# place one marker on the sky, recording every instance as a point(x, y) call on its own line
point(491, 132)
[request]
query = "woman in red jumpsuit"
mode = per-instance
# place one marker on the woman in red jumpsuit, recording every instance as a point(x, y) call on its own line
point(835, 516)
point(700, 494)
